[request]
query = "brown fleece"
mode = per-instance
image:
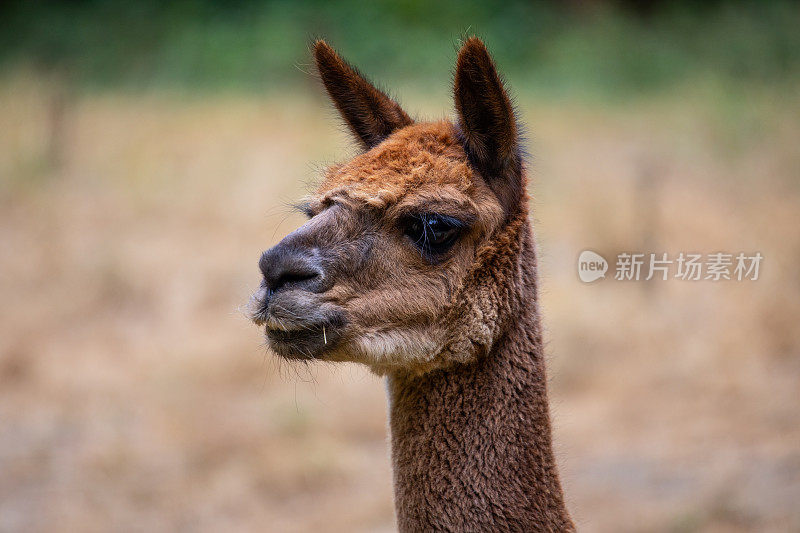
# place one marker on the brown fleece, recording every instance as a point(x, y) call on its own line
point(471, 445)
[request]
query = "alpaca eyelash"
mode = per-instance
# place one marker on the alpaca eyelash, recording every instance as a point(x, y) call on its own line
point(419, 230)
point(304, 208)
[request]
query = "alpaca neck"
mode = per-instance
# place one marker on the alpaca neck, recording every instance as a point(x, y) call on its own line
point(471, 445)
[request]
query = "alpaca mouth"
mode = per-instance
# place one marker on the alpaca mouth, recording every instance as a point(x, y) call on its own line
point(257, 308)
point(296, 326)
point(309, 342)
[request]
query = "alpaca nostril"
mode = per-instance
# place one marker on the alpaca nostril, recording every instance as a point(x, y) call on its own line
point(283, 266)
point(290, 277)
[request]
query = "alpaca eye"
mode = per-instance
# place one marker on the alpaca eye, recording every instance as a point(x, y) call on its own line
point(433, 234)
point(305, 208)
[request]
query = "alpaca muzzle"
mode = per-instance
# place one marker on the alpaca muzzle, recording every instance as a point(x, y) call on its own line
point(290, 305)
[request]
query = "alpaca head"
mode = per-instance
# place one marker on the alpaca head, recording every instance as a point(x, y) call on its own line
point(407, 257)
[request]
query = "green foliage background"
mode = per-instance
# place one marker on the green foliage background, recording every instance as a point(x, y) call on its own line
point(599, 47)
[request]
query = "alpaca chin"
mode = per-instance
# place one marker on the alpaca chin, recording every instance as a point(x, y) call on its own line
point(409, 349)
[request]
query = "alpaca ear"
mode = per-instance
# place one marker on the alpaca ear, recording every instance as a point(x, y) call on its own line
point(487, 124)
point(371, 115)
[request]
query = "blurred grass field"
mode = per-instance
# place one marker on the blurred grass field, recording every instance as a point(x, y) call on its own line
point(136, 396)
point(580, 47)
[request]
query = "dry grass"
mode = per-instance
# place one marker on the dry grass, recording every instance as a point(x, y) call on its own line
point(134, 395)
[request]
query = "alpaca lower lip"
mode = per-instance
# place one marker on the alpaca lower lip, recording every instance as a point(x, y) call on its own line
point(304, 343)
point(284, 335)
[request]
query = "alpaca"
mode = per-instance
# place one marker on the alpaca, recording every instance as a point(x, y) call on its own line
point(418, 261)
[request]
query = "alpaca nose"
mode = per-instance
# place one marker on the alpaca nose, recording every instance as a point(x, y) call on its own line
point(286, 266)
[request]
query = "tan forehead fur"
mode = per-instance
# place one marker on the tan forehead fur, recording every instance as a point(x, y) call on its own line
point(419, 164)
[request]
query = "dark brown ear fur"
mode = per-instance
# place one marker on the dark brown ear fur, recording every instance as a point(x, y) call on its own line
point(487, 124)
point(371, 114)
